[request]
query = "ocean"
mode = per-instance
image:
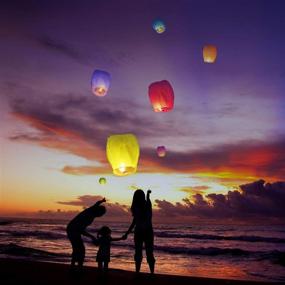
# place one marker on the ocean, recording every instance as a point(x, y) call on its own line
point(221, 251)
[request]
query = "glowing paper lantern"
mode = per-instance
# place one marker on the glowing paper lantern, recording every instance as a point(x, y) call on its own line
point(123, 153)
point(161, 96)
point(209, 53)
point(161, 151)
point(100, 82)
point(102, 180)
point(159, 26)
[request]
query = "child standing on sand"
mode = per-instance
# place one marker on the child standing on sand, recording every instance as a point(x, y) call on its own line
point(104, 240)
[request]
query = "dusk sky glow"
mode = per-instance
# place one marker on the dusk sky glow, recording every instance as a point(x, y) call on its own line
point(226, 129)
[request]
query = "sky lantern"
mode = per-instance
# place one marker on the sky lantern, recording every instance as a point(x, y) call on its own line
point(100, 82)
point(161, 96)
point(209, 53)
point(159, 26)
point(161, 151)
point(102, 180)
point(123, 153)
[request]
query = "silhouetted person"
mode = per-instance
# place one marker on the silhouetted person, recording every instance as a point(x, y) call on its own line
point(77, 227)
point(143, 234)
point(104, 240)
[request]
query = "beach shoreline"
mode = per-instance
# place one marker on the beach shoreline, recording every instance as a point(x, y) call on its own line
point(14, 271)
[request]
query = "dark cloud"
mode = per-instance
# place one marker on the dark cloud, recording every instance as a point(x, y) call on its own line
point(66, 120)
point(255, 201)
point(61, 47)
point(81, 115)
point(82, 201)
point(114, 210)
point(253, 159)
point(75, 52)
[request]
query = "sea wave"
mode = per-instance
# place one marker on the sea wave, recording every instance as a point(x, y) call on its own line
point(220, 237)
point(275, 256)
point(6, 223)
point(210, 251)
point(60, 234)
point(17, 250)
point(46, 235)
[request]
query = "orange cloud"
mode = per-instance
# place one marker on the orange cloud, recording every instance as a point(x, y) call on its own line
point(195, 189)
point(51, 136)
point(248, 160)
point(85, 170)
point(240, 162)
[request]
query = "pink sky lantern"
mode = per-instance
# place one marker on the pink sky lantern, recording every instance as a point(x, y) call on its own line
point(161, 96)
point(100, 82)
point(161, 151)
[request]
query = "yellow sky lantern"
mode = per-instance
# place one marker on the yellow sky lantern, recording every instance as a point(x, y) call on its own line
point(210, 53)
point(123, 153)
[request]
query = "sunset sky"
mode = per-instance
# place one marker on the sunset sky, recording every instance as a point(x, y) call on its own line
point(226, 129)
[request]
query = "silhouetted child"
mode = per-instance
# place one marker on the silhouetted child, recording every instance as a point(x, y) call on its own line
point(104, 240)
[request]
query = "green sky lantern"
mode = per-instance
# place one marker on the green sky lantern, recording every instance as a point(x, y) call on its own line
point(102, 180)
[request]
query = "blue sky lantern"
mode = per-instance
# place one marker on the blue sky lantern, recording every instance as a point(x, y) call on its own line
point(100, 82)
point(159, 26)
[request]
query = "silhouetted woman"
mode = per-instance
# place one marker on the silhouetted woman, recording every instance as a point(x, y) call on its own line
point(142, 222)
point(77, 227)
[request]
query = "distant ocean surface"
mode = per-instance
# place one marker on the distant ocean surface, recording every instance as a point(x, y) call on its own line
point(228, 251)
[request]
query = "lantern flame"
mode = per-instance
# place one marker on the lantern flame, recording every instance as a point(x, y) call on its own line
point(122, 168)
point(100, 91)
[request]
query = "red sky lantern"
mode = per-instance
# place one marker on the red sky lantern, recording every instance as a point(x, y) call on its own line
point(161, 96)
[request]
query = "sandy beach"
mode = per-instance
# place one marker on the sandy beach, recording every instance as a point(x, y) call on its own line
point(27, 272)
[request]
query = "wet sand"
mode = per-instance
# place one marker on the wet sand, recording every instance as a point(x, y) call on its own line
point(23, 272)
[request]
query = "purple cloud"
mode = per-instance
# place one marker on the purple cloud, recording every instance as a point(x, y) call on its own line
point(255, 201)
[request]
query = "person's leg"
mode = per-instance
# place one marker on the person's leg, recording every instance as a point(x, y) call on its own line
point(73, 255)
point(81, 253)
point(138, 250)
point(74, 243)
point(106, 266)
point(149, 251)
point(100, 265)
